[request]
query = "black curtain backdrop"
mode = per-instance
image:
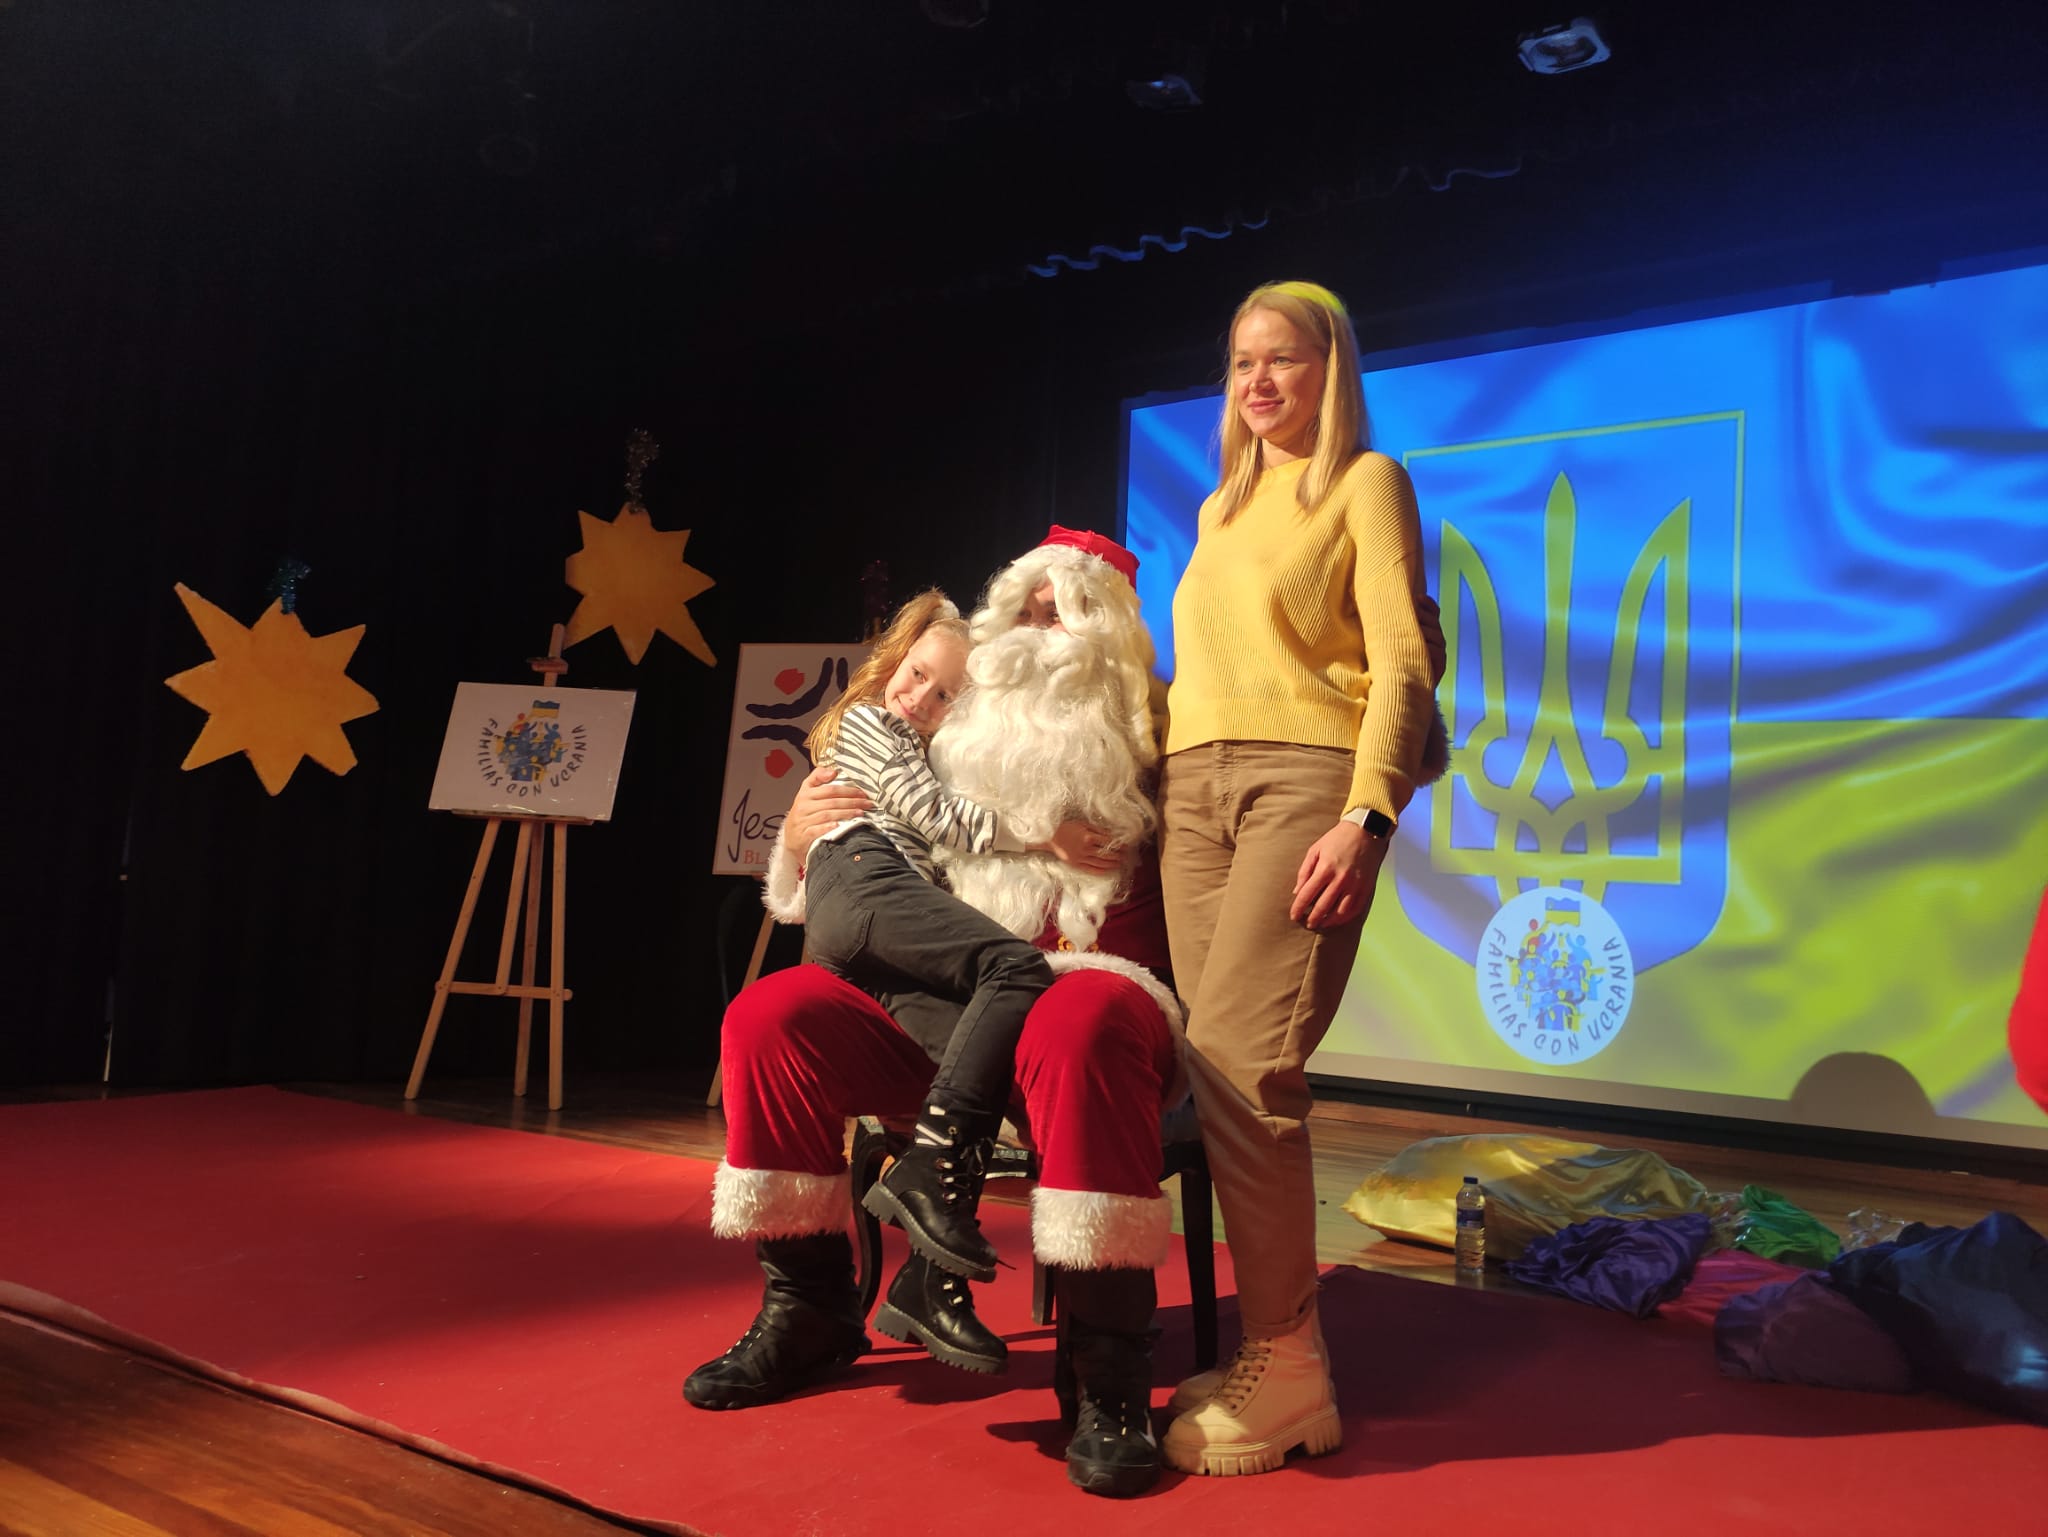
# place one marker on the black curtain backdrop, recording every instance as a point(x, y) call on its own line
point(200, 383)
point(427, 462)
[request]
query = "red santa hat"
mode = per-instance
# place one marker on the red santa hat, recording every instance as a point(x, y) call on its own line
point(1107, 550)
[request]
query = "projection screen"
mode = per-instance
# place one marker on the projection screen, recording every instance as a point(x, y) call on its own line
point(1747, 620)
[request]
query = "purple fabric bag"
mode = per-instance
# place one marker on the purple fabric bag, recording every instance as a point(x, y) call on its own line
point(1804, 1330)
point(1630, 1267)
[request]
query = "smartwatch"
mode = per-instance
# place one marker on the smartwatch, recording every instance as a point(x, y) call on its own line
point(1377, 824)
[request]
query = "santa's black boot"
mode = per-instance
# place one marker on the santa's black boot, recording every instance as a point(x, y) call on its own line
point(809, 1326)
point(1102, 1373)
point(933, 1190)
point(930, 1307)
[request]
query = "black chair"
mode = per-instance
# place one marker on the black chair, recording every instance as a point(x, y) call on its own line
point(874, 1144)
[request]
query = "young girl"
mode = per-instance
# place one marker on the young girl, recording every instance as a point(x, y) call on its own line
point(874, 916)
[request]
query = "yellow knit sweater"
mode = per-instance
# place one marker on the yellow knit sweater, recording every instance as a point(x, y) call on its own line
point(1291, 626)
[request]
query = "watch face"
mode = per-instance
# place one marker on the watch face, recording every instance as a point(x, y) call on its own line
point(1378, 823)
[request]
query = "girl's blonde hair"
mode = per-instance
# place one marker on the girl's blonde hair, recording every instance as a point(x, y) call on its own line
point(929, 610)
point(1340, 431)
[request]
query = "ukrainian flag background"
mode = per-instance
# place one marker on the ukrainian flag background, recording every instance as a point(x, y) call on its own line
point(1865, 617)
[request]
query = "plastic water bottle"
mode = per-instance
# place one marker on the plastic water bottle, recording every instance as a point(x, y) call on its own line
point(1471, 1227)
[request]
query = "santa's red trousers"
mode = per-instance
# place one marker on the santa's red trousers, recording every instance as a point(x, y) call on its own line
point(804, 1049)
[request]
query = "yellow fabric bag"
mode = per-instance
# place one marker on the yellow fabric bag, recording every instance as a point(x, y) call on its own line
point(1534, 1185)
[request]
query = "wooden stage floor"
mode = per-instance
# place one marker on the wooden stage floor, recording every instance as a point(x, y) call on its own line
point(96, 1441)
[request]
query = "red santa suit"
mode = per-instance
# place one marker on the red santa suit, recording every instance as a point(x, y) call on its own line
point(1099, 1059)
point(2027, 1030)
point(1096, 1067)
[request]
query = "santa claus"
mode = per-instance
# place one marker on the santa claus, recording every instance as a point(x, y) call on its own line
point(1057, 726)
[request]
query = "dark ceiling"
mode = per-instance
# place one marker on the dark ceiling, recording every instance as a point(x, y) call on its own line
point(863, 146)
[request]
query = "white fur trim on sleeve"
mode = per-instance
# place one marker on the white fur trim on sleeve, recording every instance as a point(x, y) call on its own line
point(776, 1203)
point(783, 892)
point(1087, 1230)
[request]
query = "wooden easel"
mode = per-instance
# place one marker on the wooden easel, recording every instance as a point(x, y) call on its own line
point(526, 882)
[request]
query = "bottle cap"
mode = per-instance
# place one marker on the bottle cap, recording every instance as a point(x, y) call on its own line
point(1471, 1179)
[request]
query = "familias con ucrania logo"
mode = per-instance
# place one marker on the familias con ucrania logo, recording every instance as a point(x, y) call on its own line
point(535, 753)
point(1555, 975)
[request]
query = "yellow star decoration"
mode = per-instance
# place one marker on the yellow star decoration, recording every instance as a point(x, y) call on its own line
point(635, 581)
point(272, 691)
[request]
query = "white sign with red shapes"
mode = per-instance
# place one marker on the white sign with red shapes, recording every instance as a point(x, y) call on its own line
point(781, 690)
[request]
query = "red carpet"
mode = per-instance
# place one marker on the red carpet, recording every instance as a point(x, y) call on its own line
point(534, 1303)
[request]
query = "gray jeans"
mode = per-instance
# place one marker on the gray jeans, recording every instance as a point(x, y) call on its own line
point(874, 920)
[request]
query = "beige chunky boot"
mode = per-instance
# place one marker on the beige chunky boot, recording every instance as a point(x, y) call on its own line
point(1275, 1396)
point(1196, 1390)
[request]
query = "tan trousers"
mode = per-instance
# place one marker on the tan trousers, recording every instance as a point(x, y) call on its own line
point(1261, 989)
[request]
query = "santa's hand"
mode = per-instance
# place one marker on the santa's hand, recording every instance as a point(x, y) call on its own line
point(1336, 877)
point(1084, 847)
point(820, 806)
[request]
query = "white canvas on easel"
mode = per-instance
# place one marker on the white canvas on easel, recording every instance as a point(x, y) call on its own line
point(521, 750)
point(547, 758)
point(780, 691)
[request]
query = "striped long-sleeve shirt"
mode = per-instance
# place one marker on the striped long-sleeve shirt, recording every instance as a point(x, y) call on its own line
point(886, 757)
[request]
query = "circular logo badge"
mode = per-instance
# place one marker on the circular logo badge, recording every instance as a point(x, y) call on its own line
point(1555, 976)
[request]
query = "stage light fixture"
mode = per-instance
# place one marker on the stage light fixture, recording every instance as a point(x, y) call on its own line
point(955, 15)
point(1171, 80)
point(1563, 48)
point(1168, 93)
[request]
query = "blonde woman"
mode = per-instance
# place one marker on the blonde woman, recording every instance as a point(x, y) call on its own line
point(1301, 707)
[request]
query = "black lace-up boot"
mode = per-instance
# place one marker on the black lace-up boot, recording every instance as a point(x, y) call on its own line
point(928, 1306)
point(933, 1191)
point(1102, 1374)
point(809, 1326)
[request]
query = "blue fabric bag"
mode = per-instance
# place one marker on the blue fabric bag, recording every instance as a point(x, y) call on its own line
point(1969, 1306)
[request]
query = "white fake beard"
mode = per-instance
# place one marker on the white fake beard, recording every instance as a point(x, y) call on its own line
point(1043, 736)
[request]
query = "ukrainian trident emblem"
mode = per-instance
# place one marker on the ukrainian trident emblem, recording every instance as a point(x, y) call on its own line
point(1588, 591)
